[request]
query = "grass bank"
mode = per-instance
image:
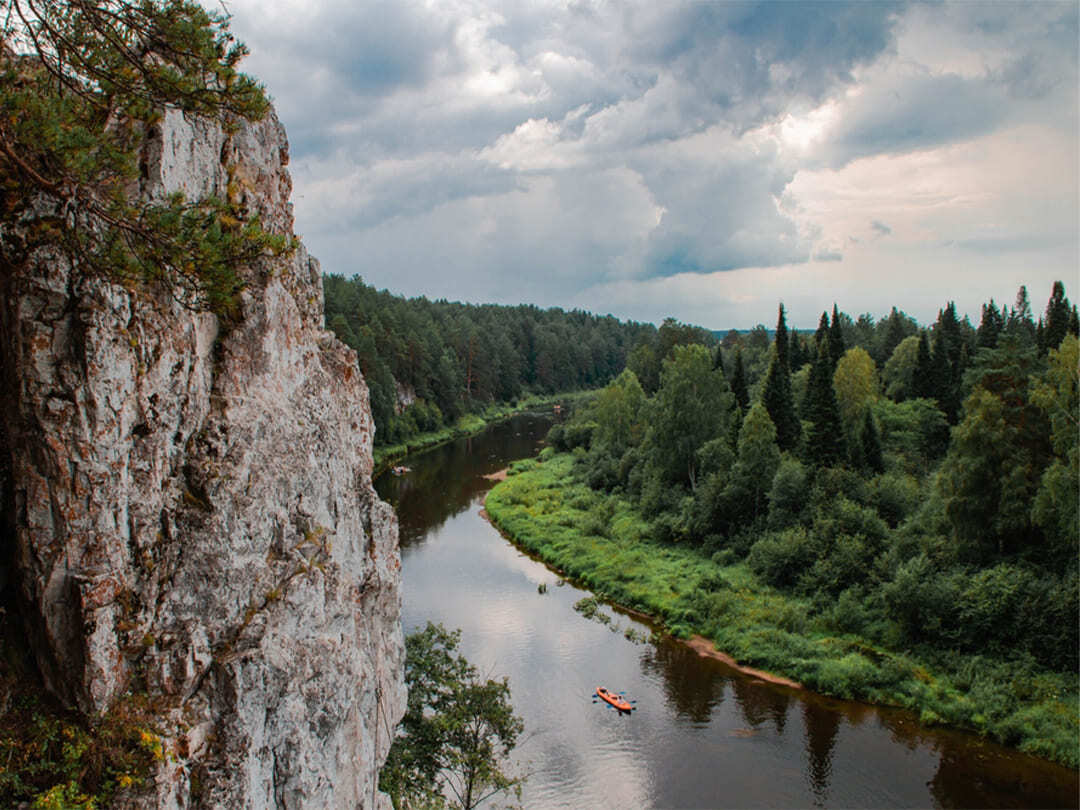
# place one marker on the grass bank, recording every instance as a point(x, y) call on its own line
point(603, 542)
point(469, 425)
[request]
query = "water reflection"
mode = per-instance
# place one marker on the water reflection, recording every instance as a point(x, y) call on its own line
point(704, 735)
point(688, 687)
point(821, 726)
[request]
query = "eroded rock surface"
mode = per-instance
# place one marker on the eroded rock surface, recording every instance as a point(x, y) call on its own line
point(193, 508)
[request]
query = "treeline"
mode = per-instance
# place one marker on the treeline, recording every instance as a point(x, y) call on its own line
point(429, 362)
point(918, 485)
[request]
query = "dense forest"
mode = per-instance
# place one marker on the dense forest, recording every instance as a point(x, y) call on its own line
point(919, 484)
point(428, 362)
point(879, 510)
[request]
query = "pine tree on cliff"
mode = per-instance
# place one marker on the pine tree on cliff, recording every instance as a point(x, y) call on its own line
point(777, 397)
point(81, 81)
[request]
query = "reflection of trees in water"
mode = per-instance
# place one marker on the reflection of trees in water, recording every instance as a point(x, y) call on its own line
point(822, 725)
point(446, 480)
point(977, 773)
point(690, 681)
point(759, 703)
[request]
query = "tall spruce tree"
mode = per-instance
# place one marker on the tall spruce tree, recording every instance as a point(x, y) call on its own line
point(894, 336)
point(1020, 322)
point(871, 444)
point(738, 382)
point(776, 396)
point(990, 326)
point(825, 444)
point(821, 335)
point(1056, 322)
point(836, 338)
point(923, 381)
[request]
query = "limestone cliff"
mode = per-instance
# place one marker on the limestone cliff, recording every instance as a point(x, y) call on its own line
point(193, 511)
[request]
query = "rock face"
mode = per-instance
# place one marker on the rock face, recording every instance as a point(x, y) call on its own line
point(193, 508)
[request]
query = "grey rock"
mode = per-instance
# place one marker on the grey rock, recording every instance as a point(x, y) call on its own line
point(193, 508)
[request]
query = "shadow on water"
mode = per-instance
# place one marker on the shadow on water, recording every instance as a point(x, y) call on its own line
point(704, 734)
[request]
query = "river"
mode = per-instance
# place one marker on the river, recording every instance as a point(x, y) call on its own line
point(702, 734)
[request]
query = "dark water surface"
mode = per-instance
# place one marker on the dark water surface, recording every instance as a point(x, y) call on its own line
point(703, 735)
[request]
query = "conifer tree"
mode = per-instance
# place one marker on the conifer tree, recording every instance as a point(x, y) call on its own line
point(990, 326)
point(798, 356)
point(822, 334)
point(738, 382)
point(923, 382)
point(81, 81)
point(776, 396)
point(836, 338)
point(825, 444)
point(1020, 321)
point(894, 336)
point(758, 460)
point(871, 444)
point(1056, 323)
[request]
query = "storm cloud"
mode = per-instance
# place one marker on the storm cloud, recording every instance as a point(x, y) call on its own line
point(617, 156)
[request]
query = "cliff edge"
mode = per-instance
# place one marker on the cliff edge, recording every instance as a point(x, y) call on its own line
point(191, 508)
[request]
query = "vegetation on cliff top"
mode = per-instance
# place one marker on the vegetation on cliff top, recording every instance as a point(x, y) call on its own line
point(82, 83)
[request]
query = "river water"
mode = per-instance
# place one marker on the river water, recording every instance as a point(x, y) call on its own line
point(702, 734)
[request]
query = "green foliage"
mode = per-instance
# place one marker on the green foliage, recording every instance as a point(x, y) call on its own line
point(1057, 393)
point(1007, 696)
point(55, 759)
point(998, 454)
point(693, 405)
point(746, 495)
point(776, 395)
point(899, 372)
point(913, 432)
point(856, 386)
point(789, 494)
point(74, 112)
point(462, 359)
point(457, 730)
point(825, 443)
point(961, 544)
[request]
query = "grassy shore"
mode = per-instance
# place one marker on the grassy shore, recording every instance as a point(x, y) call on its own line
point(602, 542)
point(469, 425)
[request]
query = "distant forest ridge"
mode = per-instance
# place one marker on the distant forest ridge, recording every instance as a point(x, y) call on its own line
point(427, 363)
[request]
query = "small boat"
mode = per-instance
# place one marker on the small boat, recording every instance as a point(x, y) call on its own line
point(619, 702)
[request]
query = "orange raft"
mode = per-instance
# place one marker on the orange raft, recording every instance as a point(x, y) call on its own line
point(615, 700)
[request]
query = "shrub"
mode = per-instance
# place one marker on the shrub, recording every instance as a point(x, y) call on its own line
point(781, 557)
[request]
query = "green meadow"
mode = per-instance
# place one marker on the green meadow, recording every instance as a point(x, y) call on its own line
point(602, 541)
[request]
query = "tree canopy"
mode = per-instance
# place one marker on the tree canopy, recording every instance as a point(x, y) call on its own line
point(457, 731)
point(82, 83)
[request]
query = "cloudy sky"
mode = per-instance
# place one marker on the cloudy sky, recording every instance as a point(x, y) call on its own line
point(702, 160)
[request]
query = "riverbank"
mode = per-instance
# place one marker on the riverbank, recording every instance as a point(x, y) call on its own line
point(601, 541)
point(469, 425)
